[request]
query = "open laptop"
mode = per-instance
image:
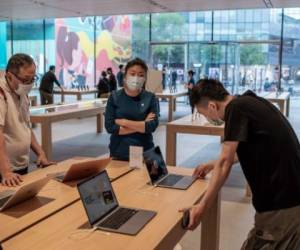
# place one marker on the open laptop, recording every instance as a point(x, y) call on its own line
point(11, 198)
point(158, 172)
point(103, 210)
point(81, 170)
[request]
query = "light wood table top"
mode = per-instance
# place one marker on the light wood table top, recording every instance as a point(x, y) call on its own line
point(168, 94)
point(69, 228)
point(52, 198)
point(195, 126)
point(46, 115)
point(171, 96)
point(76, 92)
point(67, 111)
point(282, 99)
point(186, 125)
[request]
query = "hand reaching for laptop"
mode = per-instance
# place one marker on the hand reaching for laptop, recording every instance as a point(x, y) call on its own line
point(203, 169)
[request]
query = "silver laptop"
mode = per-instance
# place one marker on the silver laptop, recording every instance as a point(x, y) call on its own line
point(82, 170)
point(103, 210)
point(158, 172)
point(10, 198)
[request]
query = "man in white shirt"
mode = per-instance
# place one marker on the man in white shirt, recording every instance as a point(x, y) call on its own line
point(16, 136)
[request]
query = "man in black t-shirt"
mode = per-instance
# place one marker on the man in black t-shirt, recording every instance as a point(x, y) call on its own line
point(46, 86)
point(264, 142)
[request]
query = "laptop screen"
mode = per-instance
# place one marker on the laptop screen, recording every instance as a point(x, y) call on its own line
point(155, 164)
point(97, 196)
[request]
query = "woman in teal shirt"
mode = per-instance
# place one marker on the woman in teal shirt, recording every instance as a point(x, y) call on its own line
point(132, 113)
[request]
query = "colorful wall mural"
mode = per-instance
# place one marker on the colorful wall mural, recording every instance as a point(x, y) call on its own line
point(75, 50)
point(113, 42)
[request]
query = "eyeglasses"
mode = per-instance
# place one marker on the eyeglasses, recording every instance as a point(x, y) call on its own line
point(25, 81)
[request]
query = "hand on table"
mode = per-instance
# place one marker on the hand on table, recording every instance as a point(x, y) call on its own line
point(11, 179)
point(43, 162)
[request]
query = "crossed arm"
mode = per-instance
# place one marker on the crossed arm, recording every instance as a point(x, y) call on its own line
point(118, 126)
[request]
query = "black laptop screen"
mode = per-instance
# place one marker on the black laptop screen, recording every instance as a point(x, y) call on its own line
point(155, 164)
point(97, 196)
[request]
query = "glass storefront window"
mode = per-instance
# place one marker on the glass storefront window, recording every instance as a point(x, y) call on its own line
point(4, 44)
point(28, 37)
point(70, 42)
point(291, 52)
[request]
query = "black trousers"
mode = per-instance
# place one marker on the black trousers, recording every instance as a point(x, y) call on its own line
point(46, 98)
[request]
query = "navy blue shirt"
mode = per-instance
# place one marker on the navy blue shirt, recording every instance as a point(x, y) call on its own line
point(122, 106)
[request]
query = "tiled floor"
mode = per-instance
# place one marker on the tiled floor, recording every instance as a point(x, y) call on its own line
point(236, 212)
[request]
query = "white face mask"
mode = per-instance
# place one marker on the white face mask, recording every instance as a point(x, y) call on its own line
point(216, 122)
point(135, 82)
point(23, 89)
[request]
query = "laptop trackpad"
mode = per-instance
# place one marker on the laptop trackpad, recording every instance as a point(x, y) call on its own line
point(137, 222)
point(185, 182)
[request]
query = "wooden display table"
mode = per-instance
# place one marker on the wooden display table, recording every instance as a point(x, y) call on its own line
point(171, 96)
point(52, 198)
point(282, 99)
point(74, 92)
point(69, 229)
point(185, 125)
point(46, 115)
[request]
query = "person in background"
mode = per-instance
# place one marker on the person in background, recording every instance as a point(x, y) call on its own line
point(260, 137)
point(103, 86)
point(267, 85)
point(132, 113)
point(111, 79)
point(173, 80)
point(164, 75)
point(16, 136)
point(190, 85)
point(47, 85)
point(120, 76)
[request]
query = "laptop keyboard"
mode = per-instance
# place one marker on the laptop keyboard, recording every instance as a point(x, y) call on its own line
point(171, 180)
point(4, 200)
point(118, 218)
point(60, 177)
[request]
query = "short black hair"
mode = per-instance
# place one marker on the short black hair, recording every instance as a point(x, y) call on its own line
point(121, 66)
point(103, 74)
point(52, 67)
point(18, 61)
point(109, 69)
point(206, 90)
point(134, 62)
